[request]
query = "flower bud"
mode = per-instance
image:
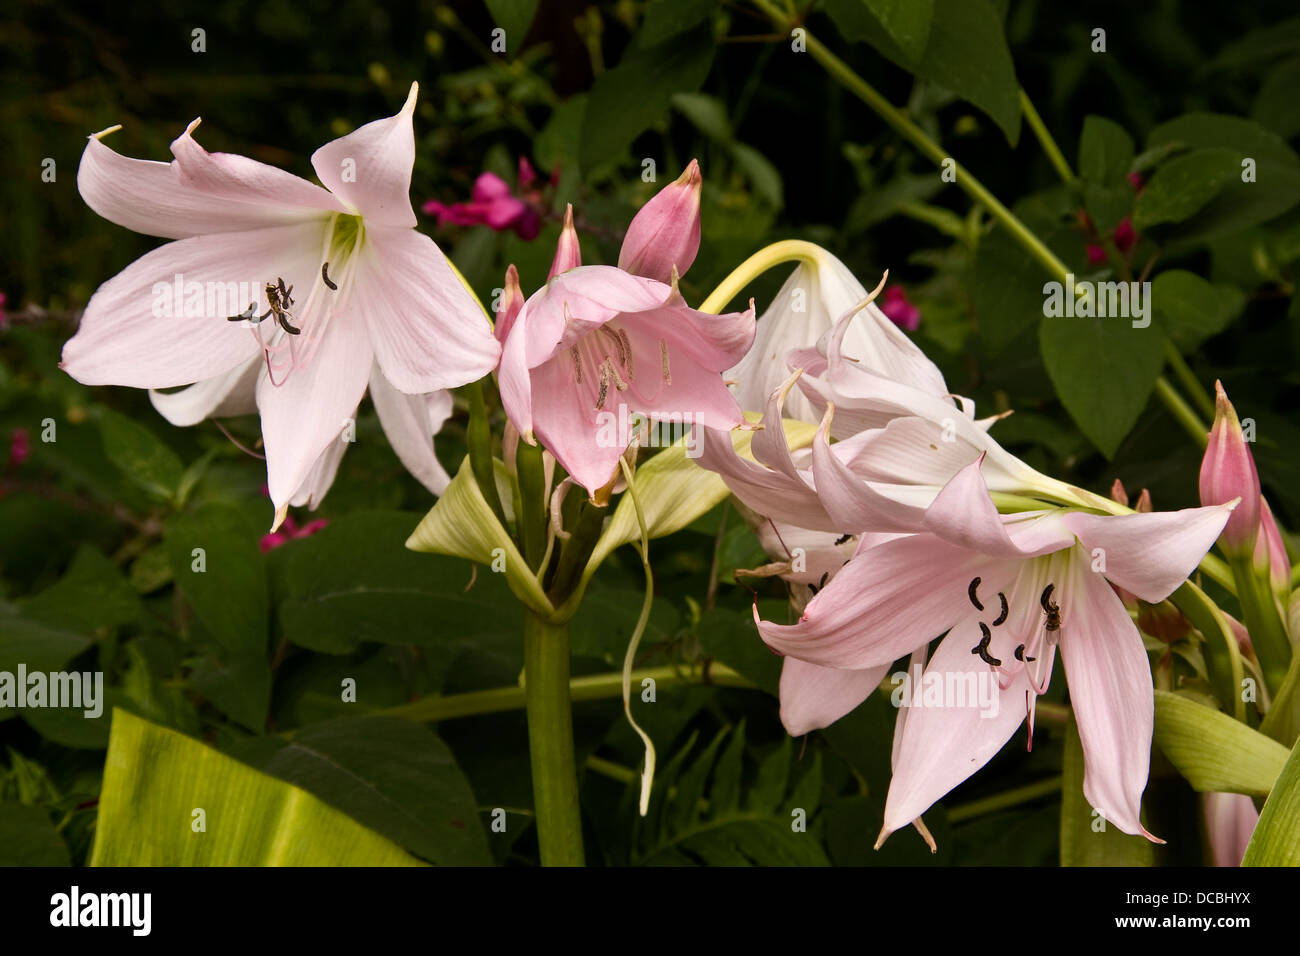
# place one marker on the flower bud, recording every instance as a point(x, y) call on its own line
point(1228, 472)
point(1270, 552)
point(665, 234)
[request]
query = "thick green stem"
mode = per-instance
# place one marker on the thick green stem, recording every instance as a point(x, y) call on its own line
point(577, 549)
point(1222, 653)
point(1260, 615)
point(532, 503)
point(550, 742)
point(478, 436)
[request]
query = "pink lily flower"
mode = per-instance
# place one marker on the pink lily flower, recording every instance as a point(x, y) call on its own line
point(1007, 590)
point(355, 297)
point(599, 344)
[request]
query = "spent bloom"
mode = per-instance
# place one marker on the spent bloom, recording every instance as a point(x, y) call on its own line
point(598, 344)
point(355, 298)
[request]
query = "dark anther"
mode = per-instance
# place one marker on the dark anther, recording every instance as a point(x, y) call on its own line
point(246, 314)
point(324, 274)
point(1020, 655)
point(842, 538)
point(982, 648)
point(974, 598)
point(1005, 610)
point(284, 324)
point(822, 582)
point(1045, 600)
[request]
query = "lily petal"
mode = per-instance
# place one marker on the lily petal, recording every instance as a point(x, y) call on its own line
point(1150, 554)
point(331, 387)
point(198, 193)
point(410, 422)
point(1111, 691)
point(963, 513)
point(664, 235)
point(232, 393)
point(370, 168)
point(814, 697)
point(428, 332)
point(122, 342)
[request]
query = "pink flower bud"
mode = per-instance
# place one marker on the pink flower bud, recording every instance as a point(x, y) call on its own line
point(1227, 472)
point(665, 234)
point(568, 254)
point(1270, 551)
point(899, 309)
point(512, 300)
point(20, 447)
point(1096, 255)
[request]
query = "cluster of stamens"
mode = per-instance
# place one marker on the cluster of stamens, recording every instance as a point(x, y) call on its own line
point(615, 366)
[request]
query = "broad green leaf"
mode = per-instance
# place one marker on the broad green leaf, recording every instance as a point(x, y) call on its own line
point(140, 455)
point(1277, 107)
point(156, 779)
point(1276, 841)
point(1189, 309)
point(1276, 184)
point(90, 598)
point(1213, 751)
point(1184, 185)
point(665, 19)
point(906, 21)
point(1105, 151)
point(39, 646)
point(1087, 839)
point(697, 817)
point(461, 524)
point(216, 562)
point(730, 637)
point(28, 838)
point(354, 581)
point(514, 17)
point(1260, 45)
point(628, 99)
point(394, 776)
point(966, 50)
point(1103, 370)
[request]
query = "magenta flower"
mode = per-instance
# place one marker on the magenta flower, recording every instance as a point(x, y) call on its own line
point(4, 319)
point(900, 310)
point(493, 205)
point(355, 297)
point(289, 531)
point(1227, 473)
point(20, 447)
point(600, 344)
point(1008, 590)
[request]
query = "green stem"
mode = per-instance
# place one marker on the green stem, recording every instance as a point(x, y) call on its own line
point(1282, 722)
point(1181, 411)
point(1221, 644)
point(550, 742)
point(533, 520)
point(1260, 615)
point(478, 436)
point(1045, 139)
point(577, 549)
point(586, 688)
point(1005, 800)
point(1190, 382)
